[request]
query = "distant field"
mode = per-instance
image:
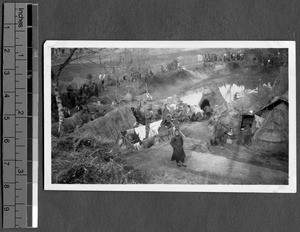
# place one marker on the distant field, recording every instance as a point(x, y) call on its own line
point(156, 58)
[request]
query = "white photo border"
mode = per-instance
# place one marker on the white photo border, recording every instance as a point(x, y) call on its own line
point(292, 175)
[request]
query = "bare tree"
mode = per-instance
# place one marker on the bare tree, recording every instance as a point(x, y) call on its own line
point(54, 78)
point(59, 62)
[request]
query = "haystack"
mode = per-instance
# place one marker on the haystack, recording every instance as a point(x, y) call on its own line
point(273, 135)
point(111, 124)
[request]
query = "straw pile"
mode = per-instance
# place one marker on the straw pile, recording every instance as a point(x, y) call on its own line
point(273, 134)
point(111, 124)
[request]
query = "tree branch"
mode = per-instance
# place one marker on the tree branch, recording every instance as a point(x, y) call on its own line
point(67, 61)
point(91, 53)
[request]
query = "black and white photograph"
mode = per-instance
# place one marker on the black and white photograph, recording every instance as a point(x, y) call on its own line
point(203, 116)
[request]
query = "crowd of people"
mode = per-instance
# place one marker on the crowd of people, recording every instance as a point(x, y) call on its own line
point(171, 118)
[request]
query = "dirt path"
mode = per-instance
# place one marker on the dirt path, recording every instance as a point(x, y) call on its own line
point(232, 165)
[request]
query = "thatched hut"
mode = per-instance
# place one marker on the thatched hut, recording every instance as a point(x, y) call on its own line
point(109, 126)
point(212, 98)
point(272, 136)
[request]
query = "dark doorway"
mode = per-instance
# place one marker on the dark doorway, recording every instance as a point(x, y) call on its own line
point(247, 121)
point(204, 103)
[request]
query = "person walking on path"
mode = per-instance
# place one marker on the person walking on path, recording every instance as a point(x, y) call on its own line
point(178, 152)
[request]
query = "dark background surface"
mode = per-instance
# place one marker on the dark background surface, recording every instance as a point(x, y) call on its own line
point(166, 20)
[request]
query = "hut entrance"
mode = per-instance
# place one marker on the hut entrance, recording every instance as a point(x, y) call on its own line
point(247, 121)
point(204, 103)
point(245, 135)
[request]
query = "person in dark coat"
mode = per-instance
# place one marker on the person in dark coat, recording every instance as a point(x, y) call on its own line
point(178, 152)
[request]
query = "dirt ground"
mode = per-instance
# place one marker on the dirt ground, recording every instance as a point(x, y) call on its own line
point(235, 164)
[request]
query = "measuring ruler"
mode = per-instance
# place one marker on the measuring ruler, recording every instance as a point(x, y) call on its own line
point(20, 115)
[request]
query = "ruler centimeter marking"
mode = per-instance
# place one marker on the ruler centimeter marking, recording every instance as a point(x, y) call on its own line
point(20, 115)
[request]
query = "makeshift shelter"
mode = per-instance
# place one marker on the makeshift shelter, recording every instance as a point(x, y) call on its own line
point(272, 136)
point(212, 98)
point(109, 126)
point(230, 91)
point(247, 121)
point(275, 102)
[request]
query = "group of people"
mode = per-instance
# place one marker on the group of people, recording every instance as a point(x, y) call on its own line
point(169, 121)
point(220, 135)
point(176, 141)
point(89, 90)
point(72, 100)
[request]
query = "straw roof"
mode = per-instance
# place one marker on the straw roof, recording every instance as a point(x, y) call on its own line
point(273, 130)
point(108, 126)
